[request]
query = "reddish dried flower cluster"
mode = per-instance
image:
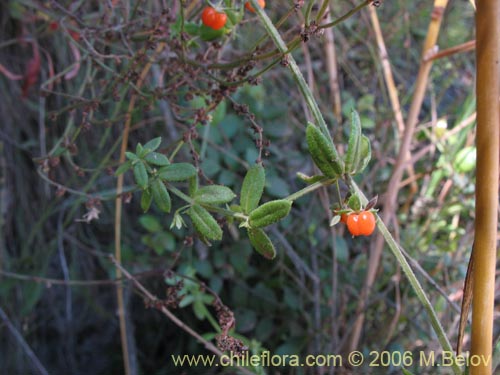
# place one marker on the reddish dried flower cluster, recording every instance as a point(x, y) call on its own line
point(225, 342)
point(224, 315)
point(230, 344)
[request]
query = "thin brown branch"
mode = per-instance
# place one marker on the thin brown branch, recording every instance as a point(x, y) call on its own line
point(464, 47)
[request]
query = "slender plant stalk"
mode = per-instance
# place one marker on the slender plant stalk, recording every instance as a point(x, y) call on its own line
point(397, 174)
point(464, 47)
point(331, 67)
point(385, 234)
point(309, 189)
point(487, 173)
point(118, 214)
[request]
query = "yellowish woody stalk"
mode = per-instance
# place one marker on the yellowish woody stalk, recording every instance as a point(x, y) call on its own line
point(331, 66)
point(386, 67)
point(487, 173)
point(118, 216)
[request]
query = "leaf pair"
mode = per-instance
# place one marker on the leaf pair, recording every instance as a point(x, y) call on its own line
point(325, 157)
point(322, 152)
point(260, 216)
point(204, 222)
point(251, 192)
point(142, 161)
point(269, 213)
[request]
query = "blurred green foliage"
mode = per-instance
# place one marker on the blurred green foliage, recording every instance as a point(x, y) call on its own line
point(302, 302)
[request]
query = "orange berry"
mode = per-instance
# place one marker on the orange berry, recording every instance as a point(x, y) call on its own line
point(262, 4)
point(362, 224)
point(213, 19)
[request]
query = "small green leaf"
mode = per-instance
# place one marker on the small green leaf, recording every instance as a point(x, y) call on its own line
point(219, 113)
point(193, 185)
point(405, 371)
point(200, 310)
point(157, 159)
point(261, 242)
point(214, 194)
point(269, 213)
point(234, 17)
point(146, 199)
point(123, 168)
point(161, 196)
point(207, 33)
point(186, 300)
point(139, 151)
point(365, 154)
point(177, 172)
point(335, 220)
point(153, 144)
point(198, 102)
point(354, 202)
point(150, 223)
point(322, 152)
point(252, 188)
point(205, 223)
point(131, 155)
point(352, 155)
point(141, 175)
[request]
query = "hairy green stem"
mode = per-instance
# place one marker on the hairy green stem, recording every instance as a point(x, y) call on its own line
point(346, 16)
point(322, 10)
point(309, 189)
point(308, 11)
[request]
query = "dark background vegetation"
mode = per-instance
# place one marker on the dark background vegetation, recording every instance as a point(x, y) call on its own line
point(69, 130)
